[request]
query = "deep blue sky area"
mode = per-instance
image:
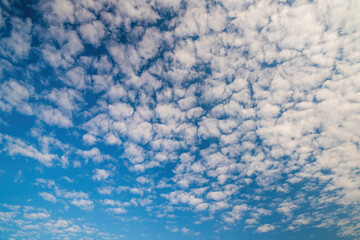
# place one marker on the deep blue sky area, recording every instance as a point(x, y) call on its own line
point(182, 119)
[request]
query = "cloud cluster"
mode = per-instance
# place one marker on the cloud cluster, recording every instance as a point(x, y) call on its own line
point(243, 111)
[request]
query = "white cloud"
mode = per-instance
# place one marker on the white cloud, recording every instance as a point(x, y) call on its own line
point(194, 113)
point(2, 23)
point(107, 190)
point(196, 21)
point(111, 139)
point(150, 43)
point(76, 195)
point(117, 210)
point(19, 178)
point(93, 154)
point(89, 139)
point(168, 113)
point(92, 32)
point(208, 127)
point(71, 46)
point(202, 207)
point(58, 10)
point(18, 45)
point(116, 92)
point(15, 95)
point(143, 180)
point(99, 124)
point(84, 204)
point(136, 191)
point(120, 110)
point(64, 162)
point(169, 4)
point(31, 227)
point(236, 213)
point(134, 11)
point(172, 228)
point(141, 132)
point(48, 197)
point(265, 228)
point(216, 196)
point(187, 103)
point(184, 54)
point(68, 179)
point(183, 197)
point(77, 78)
point(83, 14)
point(54, 117)
point(185, 230)
point(35, 216)
point(61, 224)
point(287, 207)
point(101, 174)
point(253, 95)
point(110, 202)
point(66, 99)
point(134, 153)
point(16, 146)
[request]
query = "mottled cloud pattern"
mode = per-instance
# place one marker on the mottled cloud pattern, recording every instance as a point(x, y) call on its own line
point(179, 119)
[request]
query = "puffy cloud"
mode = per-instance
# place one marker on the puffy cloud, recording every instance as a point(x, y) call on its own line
point(101, 174)
point(134, 153)
point(66, 99)
point(106, 190)
point(286, 207)
point(208, 128)
point(183, 197)
point(18, 147)
point(236, 213)
point(143, 180)
point(216, 196)
point(116, 92)
point(54, 117)
point(17, 46)
point(35, 216)
point(111, 139)
point(187, 102)
point(48, 197)
point(92, 32)
point(214, 107)
point(184, 54)
point(89, 139)
point(77, 78)
point(98, 125)
point(15, 95)
point(117, 210)
point(166, 4)
point(71, 46)
point(84, 204)
point(150, 43)
point(168, 113)
point(265, 228)
point(140, 132)
point(58, 10)
point(110, 202)
point(61, 224)
point(93, 154)
point(202, 207)
point(76, 195)
point(120, 110)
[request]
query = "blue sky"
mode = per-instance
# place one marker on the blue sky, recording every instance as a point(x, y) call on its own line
point(157, 119)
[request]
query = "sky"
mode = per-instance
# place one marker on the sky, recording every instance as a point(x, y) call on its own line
point(181, 119)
